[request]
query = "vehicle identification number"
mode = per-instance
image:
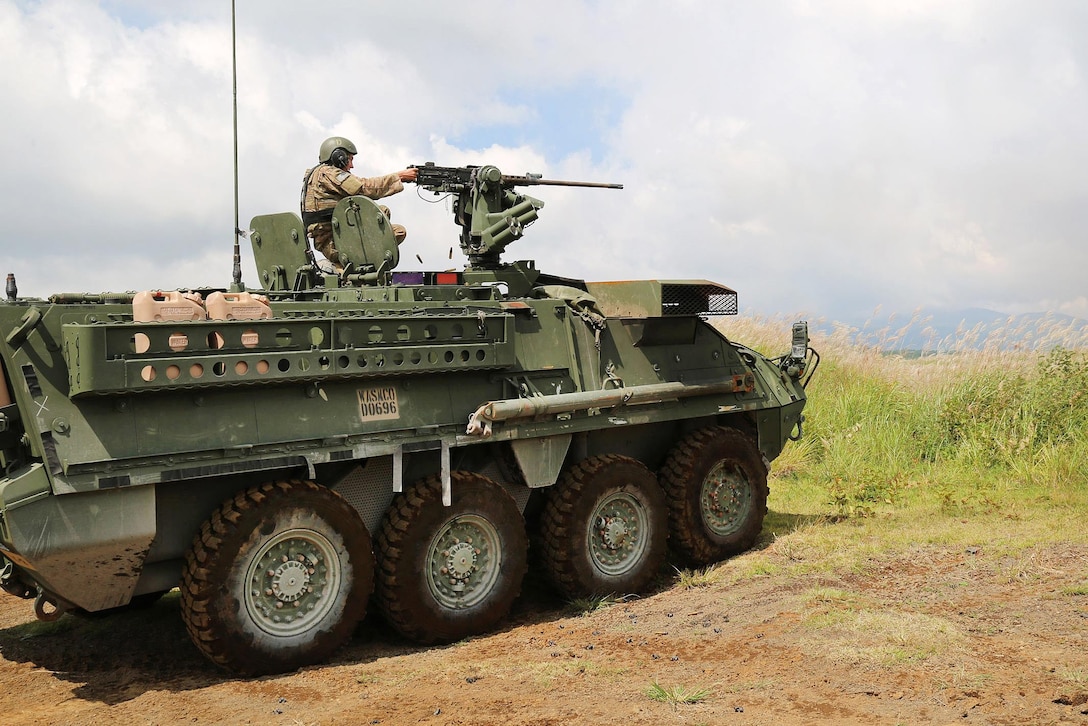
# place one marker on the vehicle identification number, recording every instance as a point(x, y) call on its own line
point(378, 403)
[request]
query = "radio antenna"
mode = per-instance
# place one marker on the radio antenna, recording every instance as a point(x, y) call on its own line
point(237, 286)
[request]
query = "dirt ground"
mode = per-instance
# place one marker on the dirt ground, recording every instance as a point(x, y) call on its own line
point(937, 636)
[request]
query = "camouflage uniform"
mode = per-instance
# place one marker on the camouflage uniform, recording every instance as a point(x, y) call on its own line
point(325, 185)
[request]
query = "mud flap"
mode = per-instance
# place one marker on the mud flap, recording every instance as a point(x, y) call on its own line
point(541, 459)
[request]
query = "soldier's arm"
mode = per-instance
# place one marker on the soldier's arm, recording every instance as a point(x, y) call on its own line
point(374, 187)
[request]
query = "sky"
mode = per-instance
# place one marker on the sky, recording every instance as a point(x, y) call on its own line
point(824, 158)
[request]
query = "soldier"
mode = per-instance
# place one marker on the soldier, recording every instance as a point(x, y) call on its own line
point(330, 181)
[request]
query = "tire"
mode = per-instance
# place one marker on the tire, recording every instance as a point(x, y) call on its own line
point(306, 550)
point(603, 530)
point(716, 485)
point(446, 573)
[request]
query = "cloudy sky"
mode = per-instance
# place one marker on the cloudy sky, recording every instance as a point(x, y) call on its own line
point(822, 157)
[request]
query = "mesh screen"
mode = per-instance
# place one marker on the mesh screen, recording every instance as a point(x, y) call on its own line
point(697, 300)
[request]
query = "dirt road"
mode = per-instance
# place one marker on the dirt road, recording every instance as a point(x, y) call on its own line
point(935, 635)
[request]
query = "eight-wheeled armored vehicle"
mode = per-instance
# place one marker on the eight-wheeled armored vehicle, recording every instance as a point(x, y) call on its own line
point(289, 453)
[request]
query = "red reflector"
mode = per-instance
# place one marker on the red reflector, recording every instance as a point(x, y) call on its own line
point(446, 278)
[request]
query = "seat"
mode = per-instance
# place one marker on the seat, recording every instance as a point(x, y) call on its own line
point(363, 235)
point(280, 249)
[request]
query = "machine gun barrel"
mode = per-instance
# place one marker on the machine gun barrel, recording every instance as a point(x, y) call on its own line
point(460, 178)
point(535, 179)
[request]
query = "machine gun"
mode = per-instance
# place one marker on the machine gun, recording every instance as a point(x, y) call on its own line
point(488, 210)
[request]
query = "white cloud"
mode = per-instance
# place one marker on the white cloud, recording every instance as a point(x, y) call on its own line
point(826, 156)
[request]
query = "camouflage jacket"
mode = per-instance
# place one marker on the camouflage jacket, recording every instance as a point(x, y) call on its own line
point(325, 185)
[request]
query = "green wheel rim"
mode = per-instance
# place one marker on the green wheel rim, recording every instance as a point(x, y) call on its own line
point(292, 582)
point(464, 562)
point(725, 499)
point(617, 532)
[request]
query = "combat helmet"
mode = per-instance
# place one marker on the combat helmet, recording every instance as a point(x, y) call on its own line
point(330, 146)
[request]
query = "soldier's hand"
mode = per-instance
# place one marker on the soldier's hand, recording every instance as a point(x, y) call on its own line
point(408, 175)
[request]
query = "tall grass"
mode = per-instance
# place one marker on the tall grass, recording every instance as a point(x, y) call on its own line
point(969, 427)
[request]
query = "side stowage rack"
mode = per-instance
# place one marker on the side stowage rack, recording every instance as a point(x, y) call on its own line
point(121, 357)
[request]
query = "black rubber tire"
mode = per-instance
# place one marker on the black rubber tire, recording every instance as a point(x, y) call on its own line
point(582, 547)
point(414, 543)
point(244, 628)
point(715, 454)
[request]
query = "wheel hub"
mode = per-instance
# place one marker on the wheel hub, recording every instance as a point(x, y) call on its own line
point(464, 562)
point(288, 582)
point(617, 538)
point(725, 499)
point(461, 561)
point(613, 531)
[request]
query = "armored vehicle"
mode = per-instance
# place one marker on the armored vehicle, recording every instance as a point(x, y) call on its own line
point(288, 454)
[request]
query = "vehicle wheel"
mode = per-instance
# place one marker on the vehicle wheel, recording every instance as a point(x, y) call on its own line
point(449, 572)
point(603, 529)
point(277, 578)
point(716, 484)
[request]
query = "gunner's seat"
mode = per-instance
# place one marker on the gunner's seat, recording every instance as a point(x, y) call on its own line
point(363, 235)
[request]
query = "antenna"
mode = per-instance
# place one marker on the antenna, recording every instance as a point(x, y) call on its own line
point(237, 286)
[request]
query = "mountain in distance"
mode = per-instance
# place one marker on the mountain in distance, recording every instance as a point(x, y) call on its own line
point(948, 331)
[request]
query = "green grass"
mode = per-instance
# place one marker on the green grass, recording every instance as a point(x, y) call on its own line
point(592, 603)
point(993, 433)
point(1077, 677)
point(696, 578)
point(676, 695)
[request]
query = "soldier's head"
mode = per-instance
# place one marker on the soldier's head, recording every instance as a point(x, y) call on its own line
point(336, 150)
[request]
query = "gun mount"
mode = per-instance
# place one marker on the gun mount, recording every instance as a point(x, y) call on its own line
point(488, 210)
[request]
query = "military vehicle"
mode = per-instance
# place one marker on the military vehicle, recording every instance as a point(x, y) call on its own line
point(289, 453)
